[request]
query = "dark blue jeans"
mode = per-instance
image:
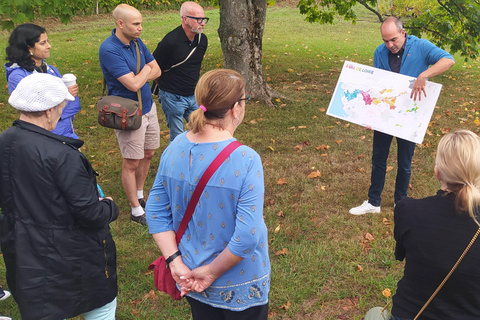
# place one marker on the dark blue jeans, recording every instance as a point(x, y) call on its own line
point(381, 149)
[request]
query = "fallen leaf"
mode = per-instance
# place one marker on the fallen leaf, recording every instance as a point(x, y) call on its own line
point(299, 147)
point(271, 148)
point(314, 174)
point(282, 252)
point(277, 229)
point(368, 236)
point(360, 269)
point(281, 181)
point(286, 306)
point(360, 169)
point(302, 127)
point(323, 188)
point(150, 295)
point(322, 147)
point(84, 112)
point(322, 109)
point(387, 293)
point(338, 142)
point(386, 222)
point(280, 214)
point(389, 168)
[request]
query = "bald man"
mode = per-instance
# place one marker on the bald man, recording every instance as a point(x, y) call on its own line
point(118, 59)
point(180, 55)
point(413, 57)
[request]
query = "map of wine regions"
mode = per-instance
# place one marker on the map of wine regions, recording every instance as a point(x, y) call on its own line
point(380, 100)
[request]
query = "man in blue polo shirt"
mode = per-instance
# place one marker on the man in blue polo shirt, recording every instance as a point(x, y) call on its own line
point(118, 59)
point(413, 57)
point(180, 55)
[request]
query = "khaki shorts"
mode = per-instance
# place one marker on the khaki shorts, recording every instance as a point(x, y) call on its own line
point(132, 143)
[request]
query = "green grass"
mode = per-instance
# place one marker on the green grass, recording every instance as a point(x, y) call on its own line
point(319, 277)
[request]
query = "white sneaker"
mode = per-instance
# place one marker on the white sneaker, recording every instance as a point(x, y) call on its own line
point(366, 207)
point(5, 318)
point(6, 294)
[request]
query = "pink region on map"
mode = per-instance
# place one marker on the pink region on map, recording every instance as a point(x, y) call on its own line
point(366, 98)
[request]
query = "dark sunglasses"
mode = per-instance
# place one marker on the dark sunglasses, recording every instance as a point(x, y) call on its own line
point(199, 20)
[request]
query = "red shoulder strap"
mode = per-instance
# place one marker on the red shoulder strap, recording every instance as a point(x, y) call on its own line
point(201, 185)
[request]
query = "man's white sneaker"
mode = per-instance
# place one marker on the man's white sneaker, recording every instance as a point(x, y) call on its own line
point(366, 207)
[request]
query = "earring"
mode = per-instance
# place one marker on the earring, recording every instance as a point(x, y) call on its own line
point(31, 53)
point(237, 122)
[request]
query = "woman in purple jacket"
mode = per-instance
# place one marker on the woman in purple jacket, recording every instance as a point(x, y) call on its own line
point(28, 47)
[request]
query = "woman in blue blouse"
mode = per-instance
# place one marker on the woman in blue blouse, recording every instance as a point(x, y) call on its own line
point(28, 47)
point(224, 268)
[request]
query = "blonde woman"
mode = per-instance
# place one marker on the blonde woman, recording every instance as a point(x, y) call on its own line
point(432, 233)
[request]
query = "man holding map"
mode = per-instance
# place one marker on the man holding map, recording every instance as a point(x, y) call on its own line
point(411, 56)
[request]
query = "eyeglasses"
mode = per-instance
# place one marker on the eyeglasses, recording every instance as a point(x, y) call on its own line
point(199, 20)
point(247, 99)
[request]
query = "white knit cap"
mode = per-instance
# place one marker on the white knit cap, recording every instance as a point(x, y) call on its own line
point(39, 92)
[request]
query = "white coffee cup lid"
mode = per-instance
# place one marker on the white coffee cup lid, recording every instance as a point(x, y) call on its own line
point(69, 77)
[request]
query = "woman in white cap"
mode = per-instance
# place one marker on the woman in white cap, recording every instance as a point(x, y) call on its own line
point(28, 48)
point(58, 251)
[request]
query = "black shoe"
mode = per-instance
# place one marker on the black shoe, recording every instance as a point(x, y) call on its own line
point(142, 202)
point(140, 219)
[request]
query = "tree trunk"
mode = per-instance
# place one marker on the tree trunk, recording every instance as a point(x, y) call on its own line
point(241, 33)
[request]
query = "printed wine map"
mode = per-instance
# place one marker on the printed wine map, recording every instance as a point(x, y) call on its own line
point(380, 100)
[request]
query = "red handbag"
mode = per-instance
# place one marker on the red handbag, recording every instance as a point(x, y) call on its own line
point(163, 278)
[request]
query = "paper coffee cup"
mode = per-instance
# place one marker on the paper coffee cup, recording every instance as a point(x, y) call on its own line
point(69, 79)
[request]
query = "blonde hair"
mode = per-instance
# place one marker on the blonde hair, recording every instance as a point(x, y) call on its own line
point(218, 91)
point(458, 164)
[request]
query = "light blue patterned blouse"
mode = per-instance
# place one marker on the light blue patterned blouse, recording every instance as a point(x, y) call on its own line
point(229, 213)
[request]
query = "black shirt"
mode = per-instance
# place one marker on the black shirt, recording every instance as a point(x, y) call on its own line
point(174, 48)
point(431, 236)
point(395, 59)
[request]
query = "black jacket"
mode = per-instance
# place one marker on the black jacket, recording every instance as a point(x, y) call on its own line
point(55, 239)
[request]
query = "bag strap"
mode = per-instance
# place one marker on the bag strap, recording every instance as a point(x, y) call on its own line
point(201, 185)
point(449, 274)
point(139, 93)
point(189, 55)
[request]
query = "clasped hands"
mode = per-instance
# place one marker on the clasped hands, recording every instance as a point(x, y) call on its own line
point(196, 280)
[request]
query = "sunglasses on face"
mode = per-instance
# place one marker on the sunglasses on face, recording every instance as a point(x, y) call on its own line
point(199, 19)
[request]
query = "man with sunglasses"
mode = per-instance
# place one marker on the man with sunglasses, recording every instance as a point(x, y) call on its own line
point(180, 55)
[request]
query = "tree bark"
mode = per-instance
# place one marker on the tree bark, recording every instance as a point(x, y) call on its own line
point(241, 32)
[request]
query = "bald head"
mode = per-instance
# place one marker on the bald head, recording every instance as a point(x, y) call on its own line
point(392, 21)
point(189, 7)
point(124, 11)
point(128, 21)
point(393, 34)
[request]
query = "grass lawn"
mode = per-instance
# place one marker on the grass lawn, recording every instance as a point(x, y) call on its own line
point(326, 263)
